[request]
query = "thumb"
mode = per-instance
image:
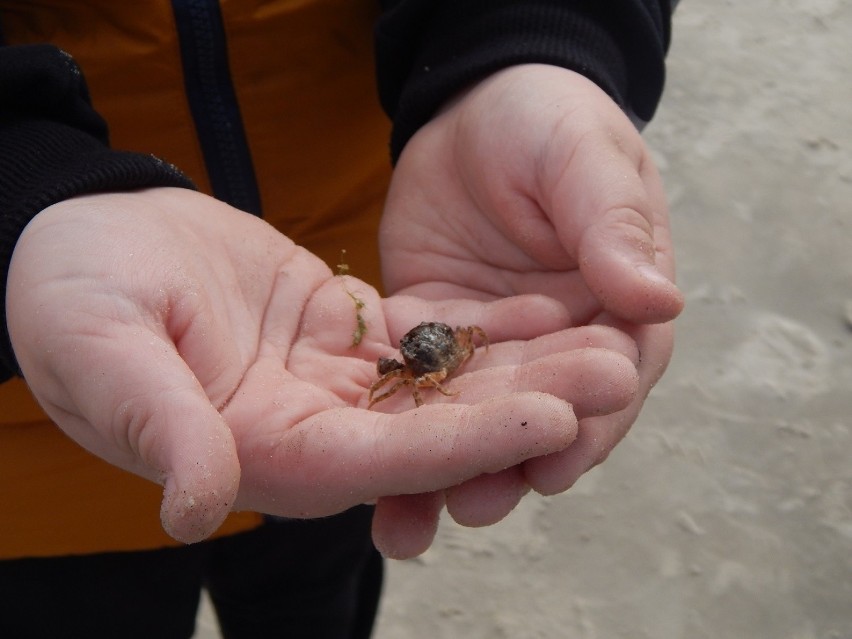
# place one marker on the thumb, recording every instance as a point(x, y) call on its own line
point(140, 407)
point(201, 471)
point(624, 264)
point(610, 211)
point(182, 441)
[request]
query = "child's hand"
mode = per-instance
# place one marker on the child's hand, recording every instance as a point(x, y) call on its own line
point(192, 344)
point(533, 181)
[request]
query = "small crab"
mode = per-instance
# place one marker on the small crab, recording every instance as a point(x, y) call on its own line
point(431, 352)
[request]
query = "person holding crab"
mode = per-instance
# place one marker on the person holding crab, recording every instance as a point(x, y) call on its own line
point(199, 340)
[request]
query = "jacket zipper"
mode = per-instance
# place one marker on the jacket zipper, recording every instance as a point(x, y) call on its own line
point(213, 103)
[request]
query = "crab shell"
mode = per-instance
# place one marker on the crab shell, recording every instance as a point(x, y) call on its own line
point(431, 352)
point(432, 346)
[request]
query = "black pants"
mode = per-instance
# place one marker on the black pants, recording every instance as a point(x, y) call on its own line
point(314, 579)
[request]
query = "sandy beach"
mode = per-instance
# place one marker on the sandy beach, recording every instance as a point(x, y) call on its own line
point(727, 511)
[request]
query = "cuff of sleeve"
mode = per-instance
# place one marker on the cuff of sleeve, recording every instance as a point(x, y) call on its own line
point(43, 163)
point(460, 43)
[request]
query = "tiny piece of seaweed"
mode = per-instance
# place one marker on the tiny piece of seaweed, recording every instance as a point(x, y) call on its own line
point(360, 324)
point(343, 267)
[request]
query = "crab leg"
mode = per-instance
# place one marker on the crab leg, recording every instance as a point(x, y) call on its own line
point(384, 380)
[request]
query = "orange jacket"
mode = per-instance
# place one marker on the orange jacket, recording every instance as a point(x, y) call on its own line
point(302, 76)
point(269, 105)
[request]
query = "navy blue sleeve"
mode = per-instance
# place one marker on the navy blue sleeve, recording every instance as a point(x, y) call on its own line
point(54, 146)
point(428, 50)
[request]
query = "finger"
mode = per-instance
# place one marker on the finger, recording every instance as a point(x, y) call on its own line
point(556, 473)
point(202, 473)
point(594, 381)
point(486, 499)
point(517, 317)
point(340, 457)
point(618, 258)
point(599, 336)
point(609, 210)
point(598, 436)
point(142, 409)
point(181, 436)
point(404, 526)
